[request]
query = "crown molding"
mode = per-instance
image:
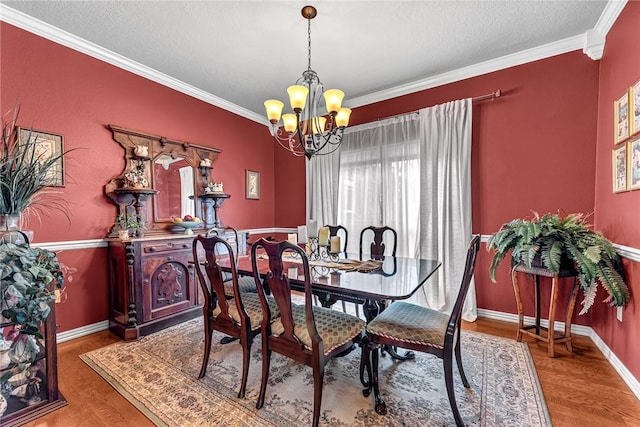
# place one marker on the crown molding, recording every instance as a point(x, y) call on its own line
point(592, 43)
point(609, 15)
point(507, 61)
point(49, 32)
point(594, 40)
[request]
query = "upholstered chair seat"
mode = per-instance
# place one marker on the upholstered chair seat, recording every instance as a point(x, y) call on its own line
point(410, 323)
point(246, 284)
point(334, 327)
point(253, 308)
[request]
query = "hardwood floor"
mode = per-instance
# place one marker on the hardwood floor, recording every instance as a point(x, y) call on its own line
point(580, 389)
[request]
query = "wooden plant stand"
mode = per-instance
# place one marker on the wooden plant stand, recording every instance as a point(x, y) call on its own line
point(548, 335)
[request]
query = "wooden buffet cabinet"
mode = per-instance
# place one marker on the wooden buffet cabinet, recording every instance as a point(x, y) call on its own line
point(152, 283)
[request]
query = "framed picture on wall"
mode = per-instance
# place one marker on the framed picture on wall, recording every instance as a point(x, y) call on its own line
point(253, 185)
point(634, 108)
point(633, 165)
point(47, 145)
point(621, 121)
point(620, 169)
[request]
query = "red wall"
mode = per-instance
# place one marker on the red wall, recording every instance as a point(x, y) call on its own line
point(545, 145)
point(533, 149)
point(617, 214)
point(290, 184)
point(65, 92)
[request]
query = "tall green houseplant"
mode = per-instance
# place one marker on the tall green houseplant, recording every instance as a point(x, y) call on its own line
point(551, 238)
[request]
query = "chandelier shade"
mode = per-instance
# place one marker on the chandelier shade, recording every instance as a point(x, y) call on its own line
point(310, 130)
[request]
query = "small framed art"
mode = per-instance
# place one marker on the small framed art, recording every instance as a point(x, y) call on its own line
point(47, 145)
point(634, 109)
point(633, 165)
point(620, 169)
point(253, 185)
point(621, 123)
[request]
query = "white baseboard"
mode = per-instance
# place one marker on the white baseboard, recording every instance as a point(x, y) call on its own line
point(82, 331)
point(622, 370)
point(626, 375)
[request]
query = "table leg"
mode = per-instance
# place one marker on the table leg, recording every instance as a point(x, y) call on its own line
point(569, 316)
point(537, 280)
point(408, 355)
point(370, 309)
point(552, 315)
point(516, 291)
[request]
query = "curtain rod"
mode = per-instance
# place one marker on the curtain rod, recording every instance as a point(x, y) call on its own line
point(492, 95)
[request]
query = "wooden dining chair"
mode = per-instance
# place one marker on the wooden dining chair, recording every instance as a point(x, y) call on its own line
point(238, 317)
point(308, 334)
point(421, 329)
point(342, 232)
point(378, 249)
point(245, 283)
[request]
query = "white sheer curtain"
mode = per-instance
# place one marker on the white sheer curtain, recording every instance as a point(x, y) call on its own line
point(323, 174)
point(445, 201)
point(411, 173)
point(379, 180)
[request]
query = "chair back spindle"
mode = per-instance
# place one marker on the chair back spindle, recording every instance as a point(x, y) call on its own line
point(378, 249)
point(339, 230)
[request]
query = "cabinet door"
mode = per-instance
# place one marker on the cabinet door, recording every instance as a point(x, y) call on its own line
point(168, 284)
point(29, 380)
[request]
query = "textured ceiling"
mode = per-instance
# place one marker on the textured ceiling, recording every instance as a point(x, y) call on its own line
point(247, 51)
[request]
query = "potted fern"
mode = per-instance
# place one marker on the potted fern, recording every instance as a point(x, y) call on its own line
point(549, 240)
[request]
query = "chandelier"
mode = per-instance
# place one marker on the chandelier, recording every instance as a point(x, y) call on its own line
point(306, 132)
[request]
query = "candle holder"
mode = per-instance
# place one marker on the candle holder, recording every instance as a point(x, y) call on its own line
point(315, 251)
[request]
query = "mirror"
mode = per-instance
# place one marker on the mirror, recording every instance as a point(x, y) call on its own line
point(175, 175)
point(173, 178)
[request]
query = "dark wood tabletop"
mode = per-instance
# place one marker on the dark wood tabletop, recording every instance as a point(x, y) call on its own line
point(398, 278)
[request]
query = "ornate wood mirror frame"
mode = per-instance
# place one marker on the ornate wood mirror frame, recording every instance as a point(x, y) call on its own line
point(173, 175)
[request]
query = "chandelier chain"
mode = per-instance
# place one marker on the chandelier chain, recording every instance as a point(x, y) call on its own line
point(309, 43)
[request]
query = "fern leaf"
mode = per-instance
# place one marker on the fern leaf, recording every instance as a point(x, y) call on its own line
point(593, 253)
point(589, 298)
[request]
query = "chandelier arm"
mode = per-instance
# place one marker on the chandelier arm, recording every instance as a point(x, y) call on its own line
point(338, 137)
point(334, 147)
point(290, 149)
point(289, 139)
point(325, 140)
point(299, 130)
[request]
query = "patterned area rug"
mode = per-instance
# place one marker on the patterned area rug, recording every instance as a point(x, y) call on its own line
point(158, 375)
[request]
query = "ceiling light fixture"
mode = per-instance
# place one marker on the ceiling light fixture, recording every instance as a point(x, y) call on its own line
point(306, 132)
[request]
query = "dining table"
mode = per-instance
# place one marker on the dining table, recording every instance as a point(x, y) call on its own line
point(349, 277)
point(342, 278)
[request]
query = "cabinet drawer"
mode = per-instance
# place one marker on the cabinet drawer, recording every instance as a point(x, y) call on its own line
point(159, 247)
